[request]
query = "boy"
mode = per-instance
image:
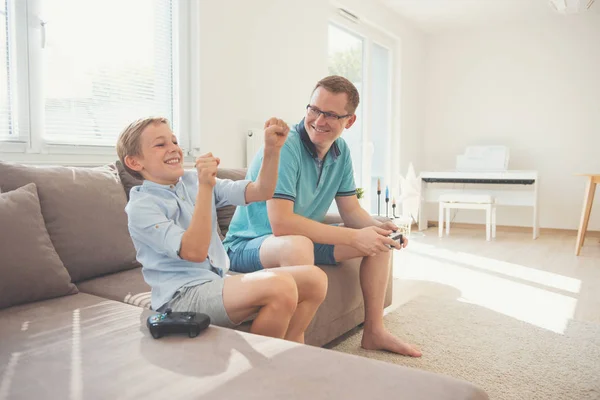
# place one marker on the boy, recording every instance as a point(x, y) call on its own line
point(173, 225)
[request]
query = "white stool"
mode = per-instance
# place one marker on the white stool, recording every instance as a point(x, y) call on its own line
point(468, 201)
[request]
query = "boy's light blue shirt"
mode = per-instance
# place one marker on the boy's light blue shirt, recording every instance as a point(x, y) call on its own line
point(311, 184)
point(159, 215)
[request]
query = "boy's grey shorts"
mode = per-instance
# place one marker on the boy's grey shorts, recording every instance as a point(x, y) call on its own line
point(206, 298)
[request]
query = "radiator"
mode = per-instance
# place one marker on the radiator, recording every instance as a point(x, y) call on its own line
point(254, 141)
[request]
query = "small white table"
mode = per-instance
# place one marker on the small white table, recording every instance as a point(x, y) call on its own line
point(504, 194)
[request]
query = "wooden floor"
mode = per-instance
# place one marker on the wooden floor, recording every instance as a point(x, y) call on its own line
point(538, 281)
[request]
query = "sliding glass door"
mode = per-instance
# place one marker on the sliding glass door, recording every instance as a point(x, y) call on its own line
point(346, 51)
point(365, 57)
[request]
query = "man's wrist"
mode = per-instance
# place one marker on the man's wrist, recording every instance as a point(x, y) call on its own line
point(349, 236)
point(272, 151)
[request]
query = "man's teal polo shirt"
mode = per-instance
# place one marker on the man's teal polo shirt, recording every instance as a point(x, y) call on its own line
point(310, 183)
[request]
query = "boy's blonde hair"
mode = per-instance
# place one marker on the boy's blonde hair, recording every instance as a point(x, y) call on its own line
point(130, 143)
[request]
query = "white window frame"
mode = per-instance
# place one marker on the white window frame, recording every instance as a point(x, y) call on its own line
point(371, 34)
point(26, 44)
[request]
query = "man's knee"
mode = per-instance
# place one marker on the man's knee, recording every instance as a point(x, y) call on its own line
point(290, 250)
point(384, 255)
point(382, 259)
point(301, 252)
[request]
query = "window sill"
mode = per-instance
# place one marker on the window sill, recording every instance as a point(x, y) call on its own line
point(69, 160)
point(74, 160)
point(80, 149)
point(13, 147)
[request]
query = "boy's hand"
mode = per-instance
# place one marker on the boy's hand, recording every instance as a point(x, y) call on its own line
point(276, 132)
point(206, 165)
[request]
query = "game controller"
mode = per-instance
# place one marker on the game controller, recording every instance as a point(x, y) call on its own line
point(177, 322)
point(396, 236)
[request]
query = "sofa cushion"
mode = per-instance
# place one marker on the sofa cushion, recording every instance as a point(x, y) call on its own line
point(127, 180)
point(84, 211)
point(342, 308)
point(127, 287)
point(30, 269)
point(224, 214)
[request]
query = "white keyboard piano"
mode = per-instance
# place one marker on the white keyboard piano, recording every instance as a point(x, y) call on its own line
point(501, 185)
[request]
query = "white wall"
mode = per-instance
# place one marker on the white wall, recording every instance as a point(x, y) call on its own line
point(533, 87)
point(262, 58)
point(259, 59)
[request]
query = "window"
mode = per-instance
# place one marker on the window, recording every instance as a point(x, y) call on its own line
point(380, 122)
point(364, 56)
point(87, 68)
point(5, 87)
point(346, 59)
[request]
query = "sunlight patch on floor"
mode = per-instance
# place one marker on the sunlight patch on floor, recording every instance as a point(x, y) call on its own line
point(541, 307)
point(502, 267)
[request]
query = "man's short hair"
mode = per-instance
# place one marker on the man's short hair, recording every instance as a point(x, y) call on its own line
point(130, 143)
point(339, 84)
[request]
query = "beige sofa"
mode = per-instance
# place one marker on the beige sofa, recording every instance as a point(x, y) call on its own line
point(73, 305)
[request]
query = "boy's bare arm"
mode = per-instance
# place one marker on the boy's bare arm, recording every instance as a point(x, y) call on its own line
point(262, 189)
point(196, 239)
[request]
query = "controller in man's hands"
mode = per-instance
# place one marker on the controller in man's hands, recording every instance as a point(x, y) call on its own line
point(397, 236)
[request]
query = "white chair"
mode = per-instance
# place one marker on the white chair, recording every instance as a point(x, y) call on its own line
point(468, 201)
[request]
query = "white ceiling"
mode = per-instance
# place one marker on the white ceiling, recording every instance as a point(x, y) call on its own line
point(435, 15)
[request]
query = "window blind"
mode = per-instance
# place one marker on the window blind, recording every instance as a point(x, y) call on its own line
point(106, 63)
point(5, 89)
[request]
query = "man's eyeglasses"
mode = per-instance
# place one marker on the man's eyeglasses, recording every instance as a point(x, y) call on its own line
point(329, 116)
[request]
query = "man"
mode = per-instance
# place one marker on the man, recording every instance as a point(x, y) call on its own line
point(315, 169)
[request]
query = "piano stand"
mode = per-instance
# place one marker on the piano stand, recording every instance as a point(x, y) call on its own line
point(505, 196)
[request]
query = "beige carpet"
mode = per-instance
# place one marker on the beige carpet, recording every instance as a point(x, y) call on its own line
point(508, 358)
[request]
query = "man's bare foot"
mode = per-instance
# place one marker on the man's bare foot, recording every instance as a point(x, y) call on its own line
point(383, 340)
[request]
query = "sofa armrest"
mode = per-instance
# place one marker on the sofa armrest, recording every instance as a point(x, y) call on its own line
point(381, 218)
point(331, 219)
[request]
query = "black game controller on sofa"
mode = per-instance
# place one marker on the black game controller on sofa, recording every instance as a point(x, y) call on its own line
point(177, 322)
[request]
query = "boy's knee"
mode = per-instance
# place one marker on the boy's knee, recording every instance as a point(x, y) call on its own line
point(284, 292)
point(319, 283)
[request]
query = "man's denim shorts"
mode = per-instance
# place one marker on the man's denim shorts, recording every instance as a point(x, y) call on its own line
point(246, 257)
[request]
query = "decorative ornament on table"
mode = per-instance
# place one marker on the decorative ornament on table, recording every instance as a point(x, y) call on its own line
point(387, 201)
point(378, 197)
